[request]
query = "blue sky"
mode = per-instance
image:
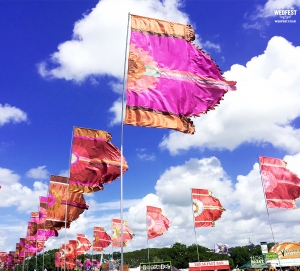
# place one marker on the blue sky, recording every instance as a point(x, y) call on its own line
point(62, 65)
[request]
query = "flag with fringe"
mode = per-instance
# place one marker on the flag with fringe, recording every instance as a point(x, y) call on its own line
point(169, 79)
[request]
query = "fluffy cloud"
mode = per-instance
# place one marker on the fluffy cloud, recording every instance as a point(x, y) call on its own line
point(10, 113)
point(268, 9)
point(38, 173)
point(13, 193)
point(261, 110)
point(99, 39)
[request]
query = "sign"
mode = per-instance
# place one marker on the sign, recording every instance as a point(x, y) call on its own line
point(257, 261)
point(213, 265)
point(264, 247)
point(156, 266)
point(287, 250)
point(271, 255)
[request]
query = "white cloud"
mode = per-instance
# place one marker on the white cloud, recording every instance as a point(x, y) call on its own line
point(13, 193)
point(12, 114)
point(116, 111)
point(268, 9)
point(99, 39)
point(260, 111)
point(38, 173)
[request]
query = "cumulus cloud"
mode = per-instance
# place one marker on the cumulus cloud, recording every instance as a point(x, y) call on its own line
point(12, 114)
point(260, 111)
point(98, 43)
point(13, 193)
point(38, 173)
point(268, 9)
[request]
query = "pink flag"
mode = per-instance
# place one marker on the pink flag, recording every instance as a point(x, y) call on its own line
point(157, 223)
point(101, 239)
point(170, 80)
point(116, 233)
point(207, 209)
point(281, 186)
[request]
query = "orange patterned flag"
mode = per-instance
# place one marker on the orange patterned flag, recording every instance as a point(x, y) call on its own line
point(157, 223)
point(281, 186)
point(207, 209)
point(95, 161)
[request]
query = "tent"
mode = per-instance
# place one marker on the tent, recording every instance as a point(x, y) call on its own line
point(254, 265)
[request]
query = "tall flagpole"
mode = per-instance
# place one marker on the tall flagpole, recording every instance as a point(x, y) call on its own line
point(194, 226)
point(147, 235)
point(262, 183)
point(121, 149)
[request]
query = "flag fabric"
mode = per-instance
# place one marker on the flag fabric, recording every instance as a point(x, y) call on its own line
point(221, 248)
point(206, 208)
point(116, 233)
point(83, 244)
point(70, 250)
point(101, 239)
point(281, 186)
point(37, 230)
point(60, 196)
point(95, 161)
point(22, 248)
point(169, 78)
point(157, 223)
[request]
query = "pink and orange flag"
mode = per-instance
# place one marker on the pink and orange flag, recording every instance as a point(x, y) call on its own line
point(281, 186)
point(170, 80)
point(83, 244)
point(95, 161)
point(206, 208)
point(101, 239)
point(116, 233)
point(157, 223)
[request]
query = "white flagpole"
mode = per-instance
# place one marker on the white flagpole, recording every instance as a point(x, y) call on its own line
point(194, 226)
point(121, 149)
point(267, 209)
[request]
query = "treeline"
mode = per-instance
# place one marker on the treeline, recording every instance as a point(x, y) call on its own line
point(179, 254)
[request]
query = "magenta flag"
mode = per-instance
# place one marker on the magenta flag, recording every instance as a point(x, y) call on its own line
point(169, 78)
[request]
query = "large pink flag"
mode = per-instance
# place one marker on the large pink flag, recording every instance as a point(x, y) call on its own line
point(83, 244)
point(207, 209)
point(281, 186)
point(157, 223)
point(170, 80)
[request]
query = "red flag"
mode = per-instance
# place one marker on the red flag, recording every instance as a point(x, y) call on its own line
point(157, 223)
point(281, 186)
point(94, 162)
point(101, 239)
point(83, 244)
point(116, 233)
point(207, 209)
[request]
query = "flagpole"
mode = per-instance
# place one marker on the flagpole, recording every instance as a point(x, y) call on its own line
point(121, 149)
point(264, 192)
point(194, 227)
point(147, 235)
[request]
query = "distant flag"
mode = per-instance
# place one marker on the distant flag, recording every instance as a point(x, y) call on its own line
point(95, 161)
point(206, 208)
point(70, 251)
point(116, 233)
point(221, 248)
point(157, 223)
point(101, 239)
point(281, 186)
point(169, 80)
point(83, 244)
